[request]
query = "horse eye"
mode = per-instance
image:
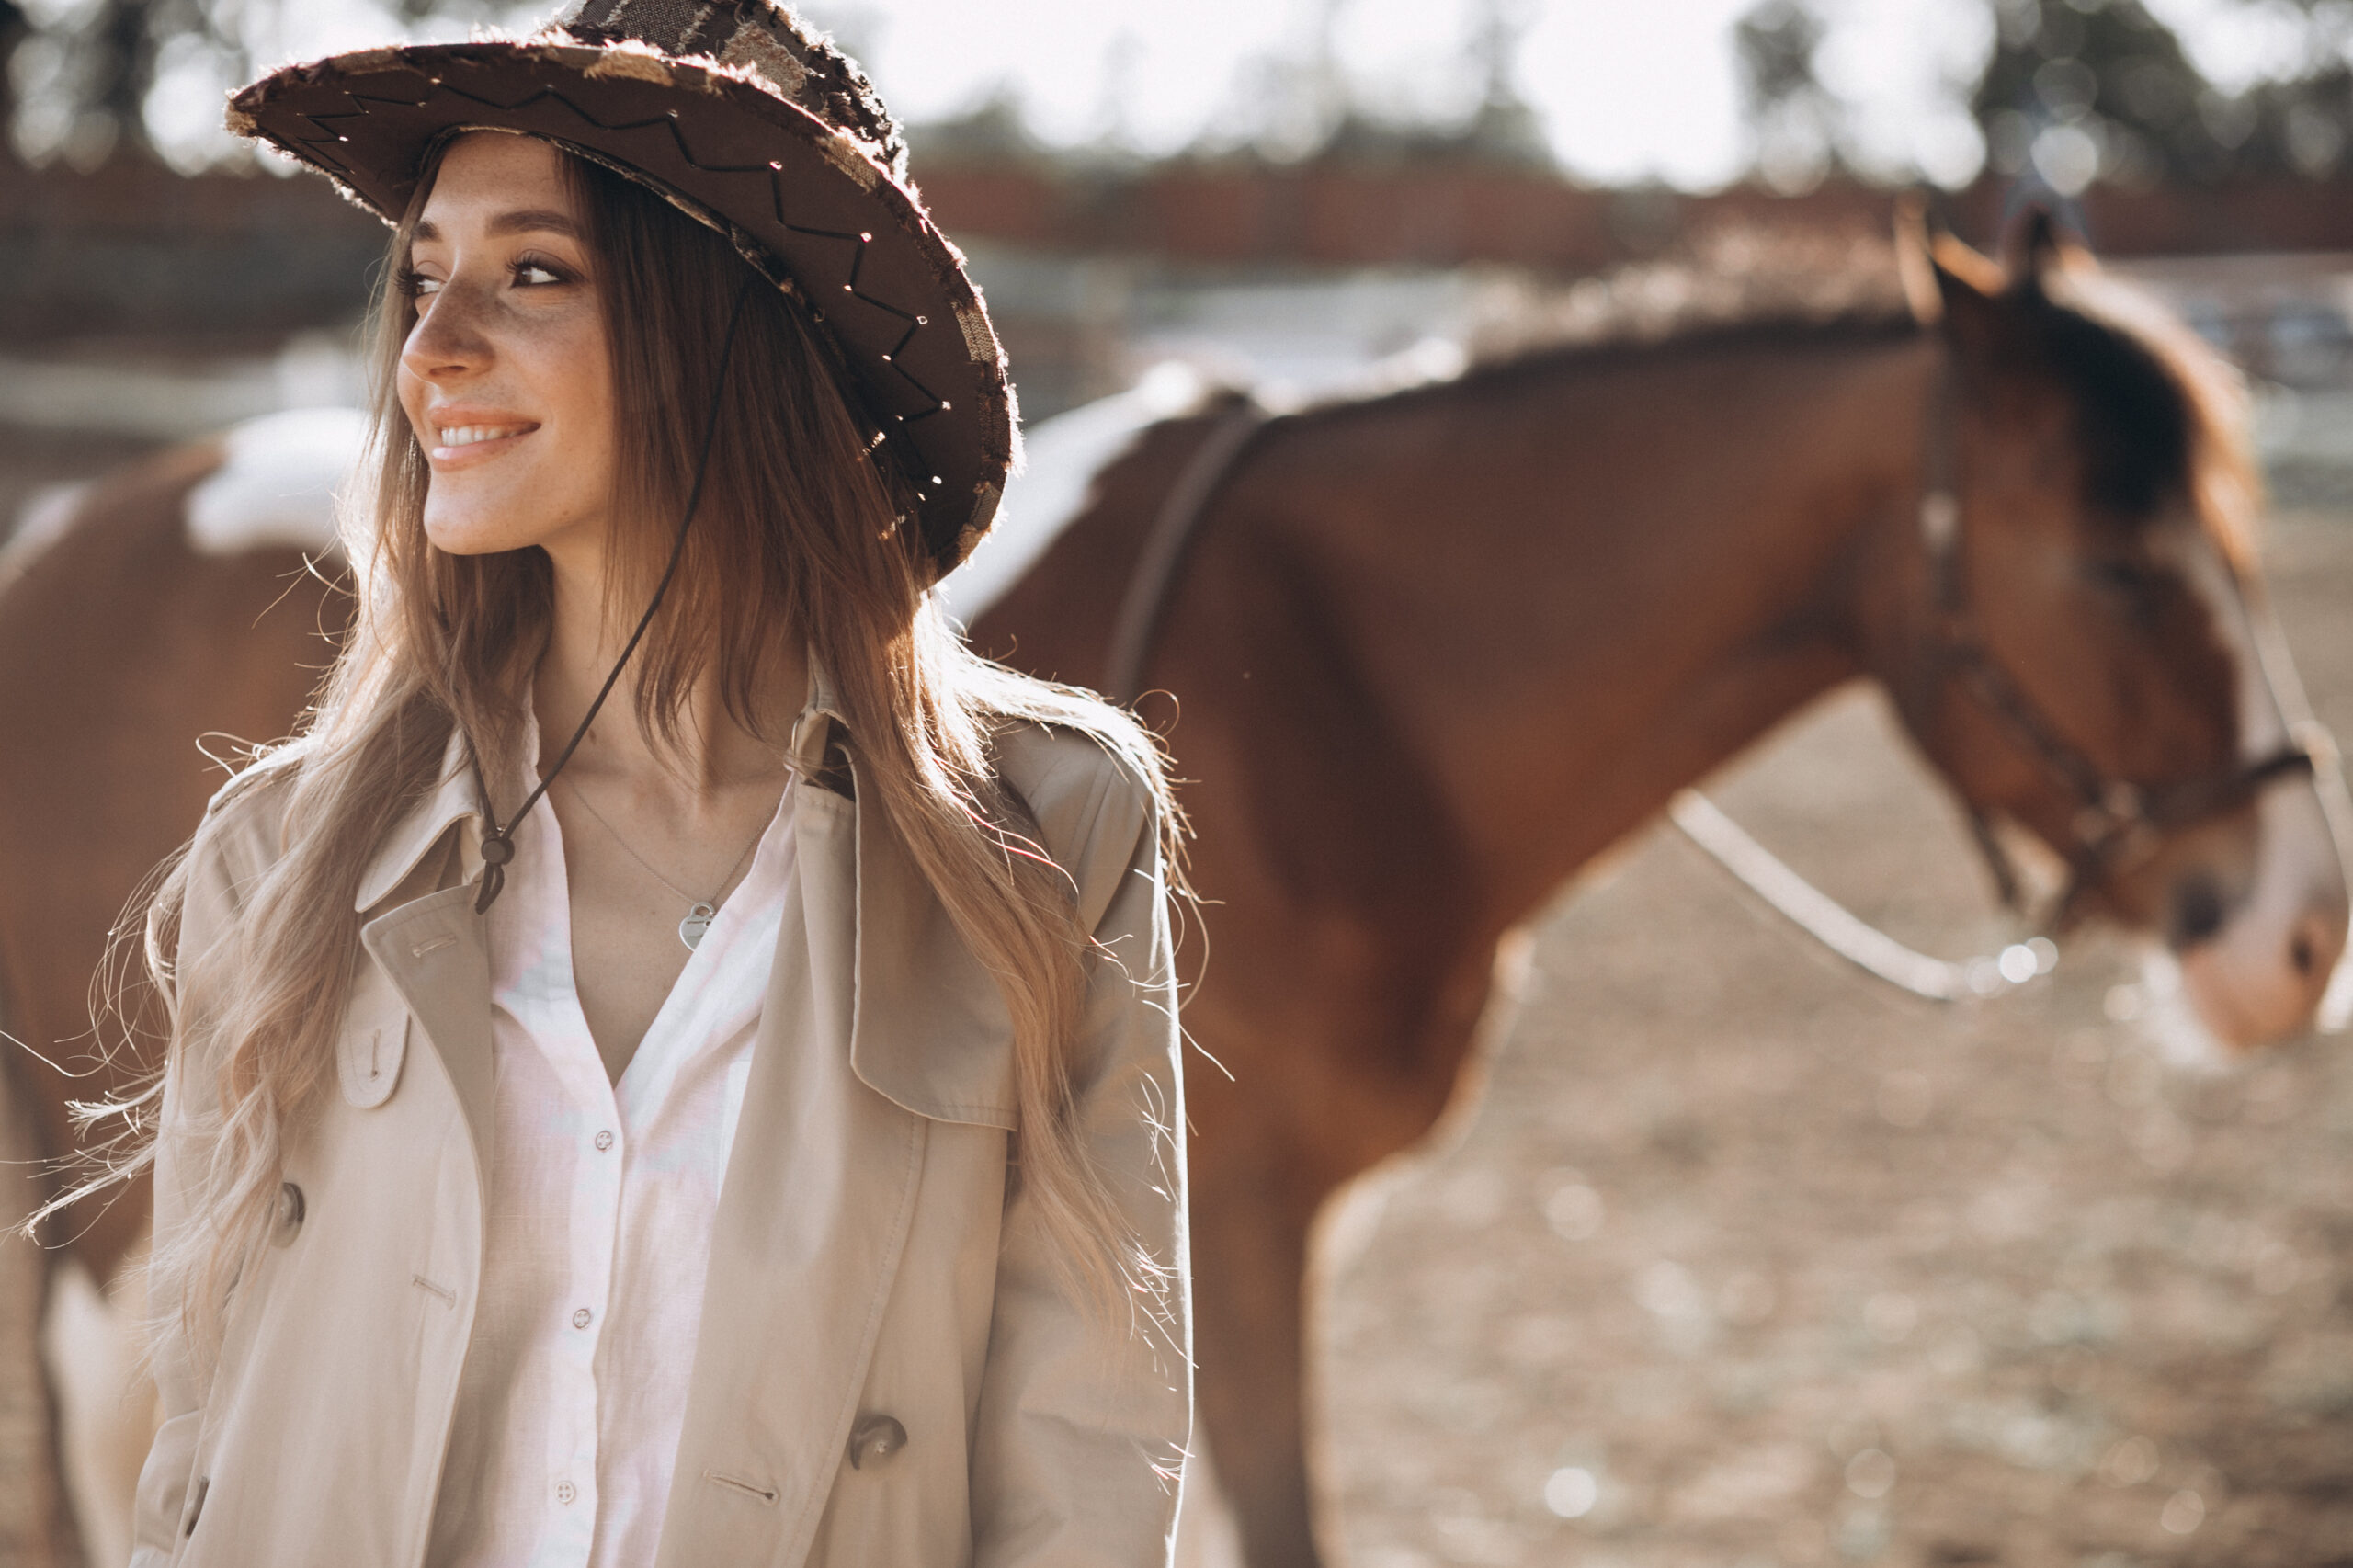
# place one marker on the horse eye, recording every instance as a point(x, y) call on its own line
point(2121, 576)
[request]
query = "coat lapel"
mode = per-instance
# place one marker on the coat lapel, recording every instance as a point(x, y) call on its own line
point(404, 849)
point(930, 1028)
point(435, 952)
point(927, 1026)
point(435, 948)
point(812, 1219)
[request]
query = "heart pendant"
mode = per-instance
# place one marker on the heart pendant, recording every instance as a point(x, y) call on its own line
point(697, 921)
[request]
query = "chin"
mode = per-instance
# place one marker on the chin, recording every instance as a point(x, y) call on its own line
point(470, 539)
point(484, 527)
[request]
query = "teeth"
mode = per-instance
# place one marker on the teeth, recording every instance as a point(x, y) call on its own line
point(467, 435)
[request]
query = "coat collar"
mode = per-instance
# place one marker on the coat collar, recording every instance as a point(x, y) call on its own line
point(453, 801)
point(921, 1019)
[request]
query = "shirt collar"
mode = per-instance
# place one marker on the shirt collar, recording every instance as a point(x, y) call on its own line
point(454, 801)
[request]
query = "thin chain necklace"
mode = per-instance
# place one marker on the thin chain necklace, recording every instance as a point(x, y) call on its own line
point(700, 912)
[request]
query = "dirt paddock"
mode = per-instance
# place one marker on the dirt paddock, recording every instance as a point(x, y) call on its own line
point(1746, 1260)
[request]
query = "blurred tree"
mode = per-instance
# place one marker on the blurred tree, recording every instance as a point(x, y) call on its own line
point(94, 80)
point(1794, 120)
point(2304, 123)
point(1505, 127)
point(1502, 128)
point(14, 26)
point(2084, 90)
point(995, 131)
point(2079, 90)
point(83, 74)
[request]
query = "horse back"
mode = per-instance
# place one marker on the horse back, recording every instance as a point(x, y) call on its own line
point(126, 657)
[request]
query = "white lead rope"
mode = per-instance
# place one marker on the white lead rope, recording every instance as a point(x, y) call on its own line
point(1835, 927)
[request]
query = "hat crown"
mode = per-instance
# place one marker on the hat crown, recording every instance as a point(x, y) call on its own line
point(800, 64)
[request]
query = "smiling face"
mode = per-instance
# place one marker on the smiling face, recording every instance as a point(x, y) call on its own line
point(505, 375)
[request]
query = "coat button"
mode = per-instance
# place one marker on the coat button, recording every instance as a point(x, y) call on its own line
point(287, 1219)
point(875, 1437)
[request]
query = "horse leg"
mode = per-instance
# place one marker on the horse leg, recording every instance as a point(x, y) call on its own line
point(1249, 1270)
point(36, 1524)
point(107, 1404)
point(1206, 1535)
point(1259, 1182)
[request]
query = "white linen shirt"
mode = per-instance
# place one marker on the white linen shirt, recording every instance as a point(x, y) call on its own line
point(596, 1226)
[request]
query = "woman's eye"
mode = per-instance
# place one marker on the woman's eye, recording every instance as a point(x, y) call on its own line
point(420, 287)
point(532, 274)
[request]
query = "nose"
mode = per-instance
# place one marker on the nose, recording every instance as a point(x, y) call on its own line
point(447, 342)
point(2257, 942)
point(2308, 943)
point(2250, 998)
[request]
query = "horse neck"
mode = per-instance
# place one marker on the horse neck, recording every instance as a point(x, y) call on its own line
point(1587, 583)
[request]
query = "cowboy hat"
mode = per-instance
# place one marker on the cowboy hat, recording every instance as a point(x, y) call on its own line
point(753, 124)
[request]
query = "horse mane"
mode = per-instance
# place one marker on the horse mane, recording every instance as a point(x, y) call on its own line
point(2163, 414)
point(1747, 285)
point(1736, 287)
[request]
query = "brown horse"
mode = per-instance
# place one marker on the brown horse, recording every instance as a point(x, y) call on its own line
point(128, 631)
point(1435, 650)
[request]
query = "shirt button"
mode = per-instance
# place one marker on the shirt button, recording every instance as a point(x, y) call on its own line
point(581, 1318)
point(604, 1141)
point(565, 1492)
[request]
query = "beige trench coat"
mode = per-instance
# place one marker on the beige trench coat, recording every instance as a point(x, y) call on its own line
point(870, 1257)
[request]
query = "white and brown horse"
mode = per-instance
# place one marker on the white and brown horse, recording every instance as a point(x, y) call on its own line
point(1431, 653)
point(1436, 650)
point(166, 607)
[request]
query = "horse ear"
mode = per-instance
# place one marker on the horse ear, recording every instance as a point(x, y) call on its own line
point(2039, 247)
point(1968, 288)
point(1914, 263)
point(1960, 271)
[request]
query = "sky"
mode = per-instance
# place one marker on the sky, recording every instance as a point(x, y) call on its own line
point(1626, 90)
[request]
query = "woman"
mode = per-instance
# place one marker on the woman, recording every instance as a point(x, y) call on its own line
point(731, 1122)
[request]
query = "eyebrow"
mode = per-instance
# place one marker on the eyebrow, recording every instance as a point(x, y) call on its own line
point(522, 220)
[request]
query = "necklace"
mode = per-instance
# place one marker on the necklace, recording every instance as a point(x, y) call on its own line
point(700, 912)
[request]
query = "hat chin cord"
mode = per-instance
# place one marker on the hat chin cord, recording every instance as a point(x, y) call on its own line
point(498, 843)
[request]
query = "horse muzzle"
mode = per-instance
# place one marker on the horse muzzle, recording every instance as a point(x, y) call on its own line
point(2255, 968)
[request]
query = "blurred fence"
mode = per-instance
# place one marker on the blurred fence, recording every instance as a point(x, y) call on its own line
point(137, 306)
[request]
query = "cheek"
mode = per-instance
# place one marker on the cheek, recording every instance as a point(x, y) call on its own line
point(576, 373)
point(412, 393)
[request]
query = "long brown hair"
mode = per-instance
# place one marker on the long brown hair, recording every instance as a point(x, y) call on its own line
point(799, 533)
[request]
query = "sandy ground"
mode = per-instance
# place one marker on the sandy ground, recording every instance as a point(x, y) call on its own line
point(1744, 1259)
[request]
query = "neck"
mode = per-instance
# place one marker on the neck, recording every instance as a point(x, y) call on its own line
point(1600, 585)
point(711, 750)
